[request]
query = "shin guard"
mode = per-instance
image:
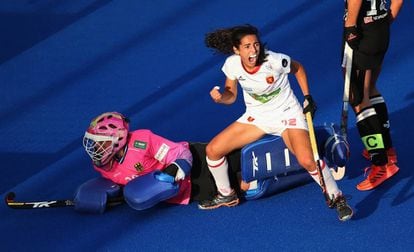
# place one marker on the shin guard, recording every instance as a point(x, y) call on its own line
point(370, 131)
point(381, 109)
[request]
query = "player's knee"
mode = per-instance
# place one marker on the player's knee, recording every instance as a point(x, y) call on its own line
point(306, 162)
point(212, 151)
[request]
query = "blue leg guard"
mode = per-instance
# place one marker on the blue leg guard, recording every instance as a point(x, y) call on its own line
point(148, 190)
point(274, 185)
point(92, 196)
point(270, 168)
point(267, 157)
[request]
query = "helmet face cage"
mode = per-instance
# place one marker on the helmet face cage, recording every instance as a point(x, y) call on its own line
point(106, 135)
point(99, 148)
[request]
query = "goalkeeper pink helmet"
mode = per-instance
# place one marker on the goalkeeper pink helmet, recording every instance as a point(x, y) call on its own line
point(106, 135)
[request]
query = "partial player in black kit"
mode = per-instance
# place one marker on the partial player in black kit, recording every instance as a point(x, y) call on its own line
point(367, 32)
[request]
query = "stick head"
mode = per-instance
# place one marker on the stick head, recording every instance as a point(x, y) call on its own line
point(10, 197)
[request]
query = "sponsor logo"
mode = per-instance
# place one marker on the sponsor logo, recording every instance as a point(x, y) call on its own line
point(250, 119)
point(265, 97)
point(241, 78)
point(269, 67)
point(162, 152)
point(131, 177)
point(140, 145)
point(43, 204)
point(255, 164)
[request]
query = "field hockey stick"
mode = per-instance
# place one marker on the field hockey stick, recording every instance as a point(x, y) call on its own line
point(347, 84)
point(49, 203)
point(315, 152)
point(339, 172)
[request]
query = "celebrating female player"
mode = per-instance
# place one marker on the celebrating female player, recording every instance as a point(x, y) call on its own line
point(271, 108)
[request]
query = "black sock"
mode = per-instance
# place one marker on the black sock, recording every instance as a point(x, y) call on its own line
point(381, 108)
point(370, 130)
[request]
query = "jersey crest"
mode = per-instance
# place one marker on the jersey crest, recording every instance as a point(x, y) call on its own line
point(138, 166)
point(270, 79)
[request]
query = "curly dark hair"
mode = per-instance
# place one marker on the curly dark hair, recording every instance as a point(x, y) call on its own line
point(223, 40)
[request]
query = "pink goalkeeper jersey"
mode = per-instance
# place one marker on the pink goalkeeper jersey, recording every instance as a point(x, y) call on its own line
point(145, 153)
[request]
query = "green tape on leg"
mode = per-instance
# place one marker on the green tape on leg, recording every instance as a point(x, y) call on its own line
point(373, 142)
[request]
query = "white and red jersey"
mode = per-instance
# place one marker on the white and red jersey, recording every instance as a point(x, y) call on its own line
point(146, 152)
point(270, 102)
point(268, 86)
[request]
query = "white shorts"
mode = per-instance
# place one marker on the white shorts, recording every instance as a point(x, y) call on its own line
point(275, 121)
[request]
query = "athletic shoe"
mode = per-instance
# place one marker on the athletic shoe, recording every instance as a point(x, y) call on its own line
point(377, 176)
point(220, 200)
point(392, 169)
point(391, 154)
point(342, 208)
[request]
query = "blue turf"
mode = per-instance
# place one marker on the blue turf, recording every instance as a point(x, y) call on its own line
point(64, 62)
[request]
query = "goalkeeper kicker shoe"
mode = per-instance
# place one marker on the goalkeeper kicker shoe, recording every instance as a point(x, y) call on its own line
point(344, 211)
point(220, 200)
point(377, 176)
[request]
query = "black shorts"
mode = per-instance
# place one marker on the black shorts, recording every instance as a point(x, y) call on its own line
point(203, 186)
point(373, 45)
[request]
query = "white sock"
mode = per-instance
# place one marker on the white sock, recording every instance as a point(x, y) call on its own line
point(219, 170)
point(331, 186)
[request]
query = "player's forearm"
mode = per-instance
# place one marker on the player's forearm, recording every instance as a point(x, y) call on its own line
point(229, 94)
point(353, 10)
point(228, 97)
point(303, 83)
point(395, 8)
point(299, 71)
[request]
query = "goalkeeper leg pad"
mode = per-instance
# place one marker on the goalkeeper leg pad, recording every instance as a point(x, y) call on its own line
point(270, 168)
point(92, 196)
point(267, 157)
point(146, 191)
point(274, 185)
